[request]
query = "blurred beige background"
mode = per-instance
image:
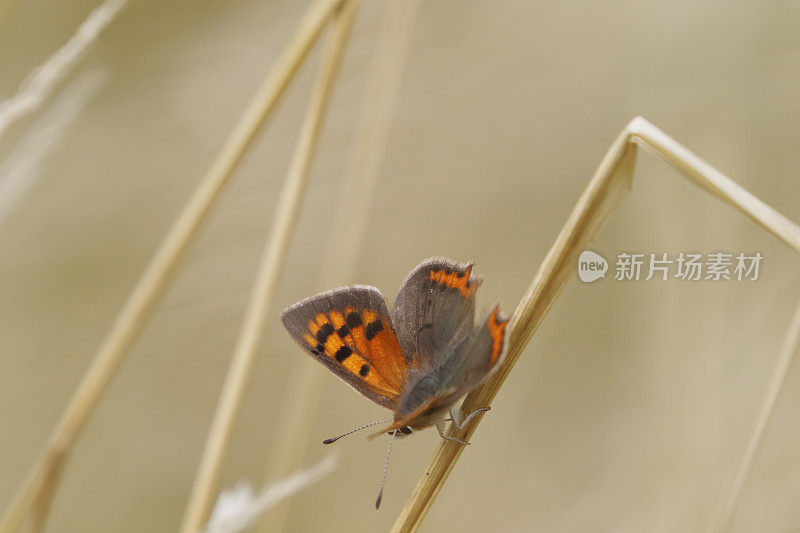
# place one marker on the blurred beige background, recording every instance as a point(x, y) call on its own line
point(628, 410)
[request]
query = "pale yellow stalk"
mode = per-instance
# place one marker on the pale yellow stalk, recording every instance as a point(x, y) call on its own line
point(44, 79)
point(206, 483)
point(720, 519)
point(306, 387)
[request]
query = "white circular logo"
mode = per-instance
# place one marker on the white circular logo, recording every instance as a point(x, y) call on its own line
point(591, 266)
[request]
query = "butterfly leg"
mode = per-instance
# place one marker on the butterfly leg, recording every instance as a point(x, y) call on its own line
point(460, 424)
point(440, 427)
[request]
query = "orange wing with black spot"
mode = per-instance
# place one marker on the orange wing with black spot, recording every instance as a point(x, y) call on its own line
point(350, 332)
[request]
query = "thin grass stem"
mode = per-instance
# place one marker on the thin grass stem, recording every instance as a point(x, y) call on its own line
point(723, 513)
point(273, 260)
point(20, 171)
point(715, 182)
point(43, 475)
point(383, 85)
point(44, 79)
point(238, 508)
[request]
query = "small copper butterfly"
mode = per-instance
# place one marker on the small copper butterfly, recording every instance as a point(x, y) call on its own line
point(418, 359)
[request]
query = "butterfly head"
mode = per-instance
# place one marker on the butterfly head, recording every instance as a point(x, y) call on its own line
point(425, 413)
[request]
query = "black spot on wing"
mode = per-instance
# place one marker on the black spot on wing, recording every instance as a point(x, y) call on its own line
point(324, 332)
point(353, 320)
point(343, 331)
point(364, 370)
point(343, 353)
point(373, 328)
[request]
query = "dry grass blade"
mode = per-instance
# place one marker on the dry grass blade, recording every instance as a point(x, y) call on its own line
point(715, 182)
point(238, 508)
point(272, 263)
point(788, 354)
point(19, 172)
point(43, 476)
point(43, 79)
point(305, 390)
point(606, 189)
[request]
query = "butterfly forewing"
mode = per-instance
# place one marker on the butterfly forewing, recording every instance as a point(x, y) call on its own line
point(349, 331)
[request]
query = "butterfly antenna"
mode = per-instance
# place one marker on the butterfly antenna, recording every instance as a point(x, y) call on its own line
point(334, 439)
point(385, 469)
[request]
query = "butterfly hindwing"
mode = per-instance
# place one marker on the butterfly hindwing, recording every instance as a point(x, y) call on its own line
point(349, 330)
point(476, 356)
point(435, 308)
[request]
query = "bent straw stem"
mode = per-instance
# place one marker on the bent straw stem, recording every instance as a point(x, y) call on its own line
point(153, 283)
point(605, 191)
point(713, 181)
point(273, 259)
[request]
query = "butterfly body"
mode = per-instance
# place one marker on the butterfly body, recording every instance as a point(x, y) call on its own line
point(429, 386)
point(417, 359)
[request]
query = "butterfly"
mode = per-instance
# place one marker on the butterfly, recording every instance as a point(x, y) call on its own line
point(417, 359)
